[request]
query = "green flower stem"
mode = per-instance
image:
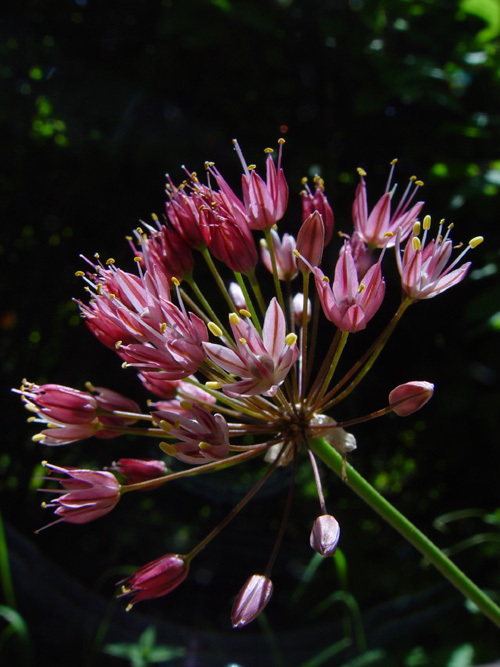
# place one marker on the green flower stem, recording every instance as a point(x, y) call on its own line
point(409, 531)
point(248, 301)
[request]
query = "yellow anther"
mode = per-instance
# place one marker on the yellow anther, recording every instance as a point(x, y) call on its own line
point(290, 339)
point(416, 244)
point(99, 288)
point(242, 340)
point(177, 423)
point(413, 178)
point(212, 384)
point(251, 167)
point(163, 327)
point(110, 261)
point(154, 216)
point(80, 274)
point(296, 253)
point(96, 255)
point(176, 281)
point(394, 161)
point(165, 426)
point(216, 330)
point(281, 141)
point(44, 463)
point(473, 243)
point(234, 318)
point(204, 445)
point(245, 312)
point(110, 295)
point(268, 150)
point(419, 183)
point(89, 386)
point(303, 180)
point(168, 448)
point(275, 227)
point(427, 222)
point(118, 344)
point(138, 259)
point(39, 437)
point(325, 279)
point(361, 172)
point(125, 365)
point(416, 228)
point(186, 405)
point(450, 226)
point(30, 420)
point(263, 243)
point(139, 230)
point(361, 288)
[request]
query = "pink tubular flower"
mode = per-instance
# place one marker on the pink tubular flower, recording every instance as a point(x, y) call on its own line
point(156, 578)
point(286, 262)
point(134, 315)
point(264, 361)
point(202, 436)
point(251, 600)
point(164, 248)
point(318, 202)
point(325, 535)
point(90, 494)
point(349, 303)
point(57, 404)
point(423, 267)
point(409, 397)
point(183, 214)
point(374, 228)
point(310, 242)
point(265, 202)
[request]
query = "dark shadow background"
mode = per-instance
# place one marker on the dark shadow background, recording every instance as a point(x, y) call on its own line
point(99, 100)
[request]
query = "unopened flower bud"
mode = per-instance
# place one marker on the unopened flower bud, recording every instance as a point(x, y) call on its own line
point(298, 308)
point(410, 397)
point(311, 241)
point(156, 578)
point(251, 600)
point(325, 535)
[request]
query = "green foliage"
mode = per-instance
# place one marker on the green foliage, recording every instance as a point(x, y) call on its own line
point(145, 652)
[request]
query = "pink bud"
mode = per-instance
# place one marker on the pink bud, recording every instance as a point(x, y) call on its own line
point(410, 397)
point(325, 535)
point(251, 600)
point(311, 241)
point(156, 578)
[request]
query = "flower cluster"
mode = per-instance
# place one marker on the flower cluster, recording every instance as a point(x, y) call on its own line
point(231, 386)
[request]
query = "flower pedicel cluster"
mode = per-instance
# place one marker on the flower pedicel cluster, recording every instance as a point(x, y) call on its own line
point(221, 380)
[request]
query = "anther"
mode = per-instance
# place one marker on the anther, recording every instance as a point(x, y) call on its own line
point(168, 448)
point(427, 222)
point(290, 339)
point(176, 281)
point(204, 445)
point(80, 274)
point(361, 172)
point(165, 426)
point(137, 259)
point(110, 261)
point(39, 437)
point(213, 328)
point(245, 312)
point(473, 243)
point(361, 288)
point(242, 340)
point(163, 327)
point(392, 162)
point(234, 319)
point(419, 183)
point(118, 344)
point(154, 216)
point(416, 228)
point(213, 384)
point(416, 244)
point(186, 405)
point(281, 141)
point(268, 150)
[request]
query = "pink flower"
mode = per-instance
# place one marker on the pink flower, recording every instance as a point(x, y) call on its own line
point(375, 227)
point(251, 600)
point(57, 404)
point(201, 436)
point(164, 248)
point(349, 303)
point(310, 242)
point(140, 470)
point(265, 202)
point(156, 578)
point(264, 361)
point(286, 262)
point(90, 494)
point(325, 535)
point(318, 202)
point(409, 397)
point(183, 214)
point(424, 268)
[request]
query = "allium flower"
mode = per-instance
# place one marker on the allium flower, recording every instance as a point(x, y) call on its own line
point(350, 303)
point(266, 387)
point(87, 494)
point(375, 227)
point(264, 361)
point(156, 578)
point(424, 268)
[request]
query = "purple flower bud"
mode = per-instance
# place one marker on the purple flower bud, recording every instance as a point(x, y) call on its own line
point(156, 578)
point(325, 535)
point(251, 600)
point(410, 397)
point(311, 241)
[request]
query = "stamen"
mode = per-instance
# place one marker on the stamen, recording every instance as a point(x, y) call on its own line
point(168, 448)
point(477, 240)
point(213, 328)
point(416, 244)
point(213, 384)
point(290, 339)
point(245, 312)
point(234, 319)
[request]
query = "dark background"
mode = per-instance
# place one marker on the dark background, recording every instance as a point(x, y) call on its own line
point(99, 100)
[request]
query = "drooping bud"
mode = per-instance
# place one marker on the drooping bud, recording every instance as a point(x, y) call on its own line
point(298, 308)
point(311, 241)
point(156, 578)
point(325, 535)
point(251, 600)
point(410, 397)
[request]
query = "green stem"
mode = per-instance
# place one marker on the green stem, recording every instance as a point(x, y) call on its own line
point(248, 301)
point(408, 530)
